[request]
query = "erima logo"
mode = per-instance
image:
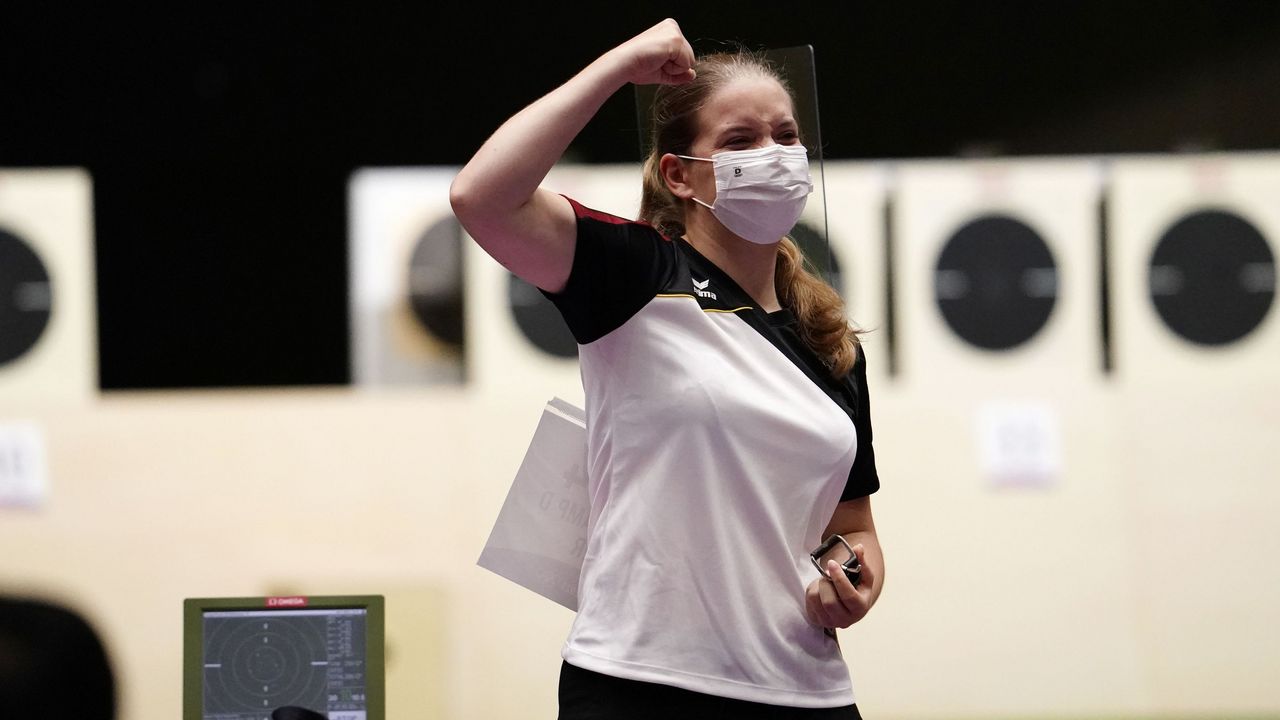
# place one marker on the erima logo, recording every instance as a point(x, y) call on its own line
point(700, 289)
point(737, 172)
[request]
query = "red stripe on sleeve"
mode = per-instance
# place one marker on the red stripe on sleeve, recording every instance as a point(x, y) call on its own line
point(583, 211)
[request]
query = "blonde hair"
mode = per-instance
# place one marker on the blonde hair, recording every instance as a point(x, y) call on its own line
point(818, 308)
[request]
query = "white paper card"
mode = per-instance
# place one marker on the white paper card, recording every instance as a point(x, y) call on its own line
point(1019, 445)
point(540, 536)
point(24, 480)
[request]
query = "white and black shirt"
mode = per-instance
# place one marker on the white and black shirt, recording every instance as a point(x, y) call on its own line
point(718, 447)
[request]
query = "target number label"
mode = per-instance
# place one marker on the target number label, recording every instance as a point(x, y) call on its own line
point(1019, 445)
point(23, 477)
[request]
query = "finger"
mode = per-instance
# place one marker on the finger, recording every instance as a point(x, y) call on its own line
point(814, 612)
point(687, 49)
point(835, 609)
point(680, 79)
point(680, 58)
point(675, 74)
point(844, 587)
point(868, 574)
point(685, 53)
point(680, 52)
point(816, 609)
point(824, 612)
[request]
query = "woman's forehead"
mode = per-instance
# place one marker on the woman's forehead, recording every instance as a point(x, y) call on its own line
point(747, 101)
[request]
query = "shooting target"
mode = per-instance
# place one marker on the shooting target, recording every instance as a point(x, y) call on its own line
point(996, 282)
point(48, 329)
point(25, 297)
point(1212, 277)
point(1193, 268)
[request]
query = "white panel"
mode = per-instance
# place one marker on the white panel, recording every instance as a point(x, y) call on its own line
point(856, 196)
point(52, 212)
point(1200, 424)
point(390, 210)
point(1058, 199)
point(1035, 551)
point(1149, 195)
point(500, 358)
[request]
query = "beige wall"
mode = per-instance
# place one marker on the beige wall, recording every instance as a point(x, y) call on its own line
point(1142, 583)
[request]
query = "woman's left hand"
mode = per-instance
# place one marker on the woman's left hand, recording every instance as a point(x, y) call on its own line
point(834, 601)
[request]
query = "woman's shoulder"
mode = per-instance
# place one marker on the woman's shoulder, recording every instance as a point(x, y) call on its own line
point(584, 212)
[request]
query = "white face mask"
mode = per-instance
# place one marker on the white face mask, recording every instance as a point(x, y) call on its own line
point(761, 192)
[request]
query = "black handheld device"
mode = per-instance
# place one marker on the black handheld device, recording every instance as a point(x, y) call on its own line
point(837, 548)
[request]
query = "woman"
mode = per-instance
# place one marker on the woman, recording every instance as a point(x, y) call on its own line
point(727, 414)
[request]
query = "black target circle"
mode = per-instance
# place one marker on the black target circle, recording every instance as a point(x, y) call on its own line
point(821, 255)
point(539, 320)
point(435, 281)
point(264, 664)
point(1212, 277)
point(26, 297)
point(996, 282)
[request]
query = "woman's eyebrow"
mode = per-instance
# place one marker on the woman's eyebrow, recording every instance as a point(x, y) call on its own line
point(738, 128)
point(788, 123)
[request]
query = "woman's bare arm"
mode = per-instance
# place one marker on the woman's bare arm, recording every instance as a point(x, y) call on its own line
point(497, 197)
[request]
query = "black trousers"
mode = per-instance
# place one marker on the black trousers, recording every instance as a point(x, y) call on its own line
point(588, 695)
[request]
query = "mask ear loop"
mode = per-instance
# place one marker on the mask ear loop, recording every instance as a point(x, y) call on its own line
point(690, 157)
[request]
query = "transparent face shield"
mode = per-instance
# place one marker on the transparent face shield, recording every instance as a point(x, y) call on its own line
point(796, 66)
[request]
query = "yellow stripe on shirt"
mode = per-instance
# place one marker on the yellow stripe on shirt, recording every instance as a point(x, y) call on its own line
point(710, 310)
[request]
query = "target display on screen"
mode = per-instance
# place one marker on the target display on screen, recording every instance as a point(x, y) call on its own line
point(258, 660)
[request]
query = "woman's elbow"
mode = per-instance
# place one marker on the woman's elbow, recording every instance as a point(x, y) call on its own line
point(461, 197)
point(481, 212)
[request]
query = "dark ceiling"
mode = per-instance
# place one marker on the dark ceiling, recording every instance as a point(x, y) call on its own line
point(220, 141)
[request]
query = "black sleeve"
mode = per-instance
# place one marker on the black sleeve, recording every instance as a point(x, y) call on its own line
point(618, 267)
point(863, 478)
